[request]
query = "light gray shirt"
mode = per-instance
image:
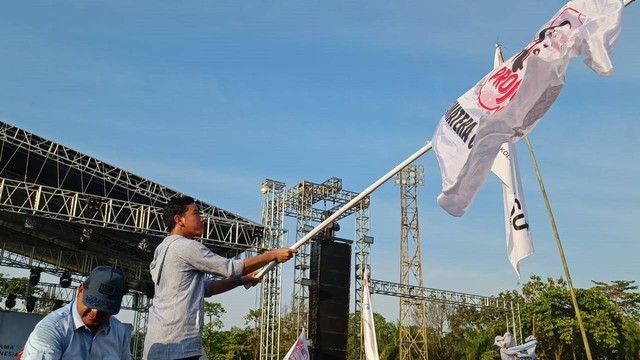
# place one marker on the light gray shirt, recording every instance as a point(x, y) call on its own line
point(63, 335)
point(176, 317)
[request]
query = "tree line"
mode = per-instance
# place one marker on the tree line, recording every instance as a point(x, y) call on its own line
point(610, 313)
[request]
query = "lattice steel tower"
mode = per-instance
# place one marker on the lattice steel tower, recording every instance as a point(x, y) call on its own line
point(301, 201)
point(413, 318)
point(274, 237)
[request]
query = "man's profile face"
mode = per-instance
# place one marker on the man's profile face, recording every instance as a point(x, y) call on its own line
point(190, 222)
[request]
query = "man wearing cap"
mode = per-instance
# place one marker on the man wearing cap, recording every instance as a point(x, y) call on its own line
point(178, 269)
point(85, 329)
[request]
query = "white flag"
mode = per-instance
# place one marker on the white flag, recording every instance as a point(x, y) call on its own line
point(508, 103)
point(299, 350)
point(505, 166)
point(368, 326)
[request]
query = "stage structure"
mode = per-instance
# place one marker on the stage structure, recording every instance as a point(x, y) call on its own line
point(440, 296)
point(63, 212)
point(413, 312)
point(310, 203)
point(429, 296)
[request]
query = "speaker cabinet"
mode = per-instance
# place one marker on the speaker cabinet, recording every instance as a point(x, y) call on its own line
point(329, 298)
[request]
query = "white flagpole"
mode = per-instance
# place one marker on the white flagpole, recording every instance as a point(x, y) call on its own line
point(351, 203)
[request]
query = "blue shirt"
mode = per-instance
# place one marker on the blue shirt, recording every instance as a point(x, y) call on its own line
point(63, 335)
point(176, 318)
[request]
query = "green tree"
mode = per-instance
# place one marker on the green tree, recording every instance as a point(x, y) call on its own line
point(252, 320)
point(213, 339)
point(556, 328)
point(237, 345)
point(622, 294)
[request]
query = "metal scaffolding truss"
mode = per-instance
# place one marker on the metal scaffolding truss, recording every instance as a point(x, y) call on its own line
point(273, 221)
point(36, 161)
point(300, 202)
point(47, 162)
point(413, 344)
point(56, 262)
point(364, 240)
point(80, 208)
point(113, 182)
point(310, 203)
point(438, 296)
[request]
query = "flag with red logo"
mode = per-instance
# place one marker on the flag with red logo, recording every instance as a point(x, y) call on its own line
point(505, 166)
point(508, 102)
point(299, 350)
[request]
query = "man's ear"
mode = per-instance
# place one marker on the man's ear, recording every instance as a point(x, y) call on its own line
point(176, 219)
point(80, 290)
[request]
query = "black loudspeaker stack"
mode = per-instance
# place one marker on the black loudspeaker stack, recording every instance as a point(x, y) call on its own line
point(330, 273)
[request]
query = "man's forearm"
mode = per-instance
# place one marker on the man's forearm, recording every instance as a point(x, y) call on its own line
point(256, 262)
point(220, 286)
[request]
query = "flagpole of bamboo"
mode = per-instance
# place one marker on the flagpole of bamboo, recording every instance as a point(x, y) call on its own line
point(572, 292)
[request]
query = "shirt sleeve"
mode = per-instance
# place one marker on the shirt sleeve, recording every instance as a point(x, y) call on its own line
point(207, 284)
point(44, 343)
point(126, 347)
point(203, 259)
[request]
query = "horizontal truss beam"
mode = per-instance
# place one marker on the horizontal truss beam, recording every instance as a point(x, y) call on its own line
point(64, 205)
point(440, 296)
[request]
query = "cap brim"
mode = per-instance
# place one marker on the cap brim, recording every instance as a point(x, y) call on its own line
point(101, 303)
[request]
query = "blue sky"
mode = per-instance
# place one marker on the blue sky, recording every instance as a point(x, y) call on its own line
point(211, 97)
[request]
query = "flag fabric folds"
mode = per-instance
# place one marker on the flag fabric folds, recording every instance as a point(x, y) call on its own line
point(505, 166)
point(508, 103)
point(368, 326)
point(299, 350)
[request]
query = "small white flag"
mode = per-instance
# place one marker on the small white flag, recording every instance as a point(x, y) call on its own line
point(299, 350)
point(369, 340)
point(505, 166)
point(508, 103)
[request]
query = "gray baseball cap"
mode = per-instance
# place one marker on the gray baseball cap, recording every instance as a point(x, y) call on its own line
point(104, 289)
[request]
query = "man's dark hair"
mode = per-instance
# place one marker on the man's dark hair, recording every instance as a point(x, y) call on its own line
point(175, 206)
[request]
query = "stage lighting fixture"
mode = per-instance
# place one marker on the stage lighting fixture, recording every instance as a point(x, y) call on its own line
point(31, 303)
point(307, 282)
point(143, 245)
point(57, 305)
point(65, 279)
point(29, 223)
point(11, 301)
point(93, 205)
point(84, 238)
point(34, 277)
